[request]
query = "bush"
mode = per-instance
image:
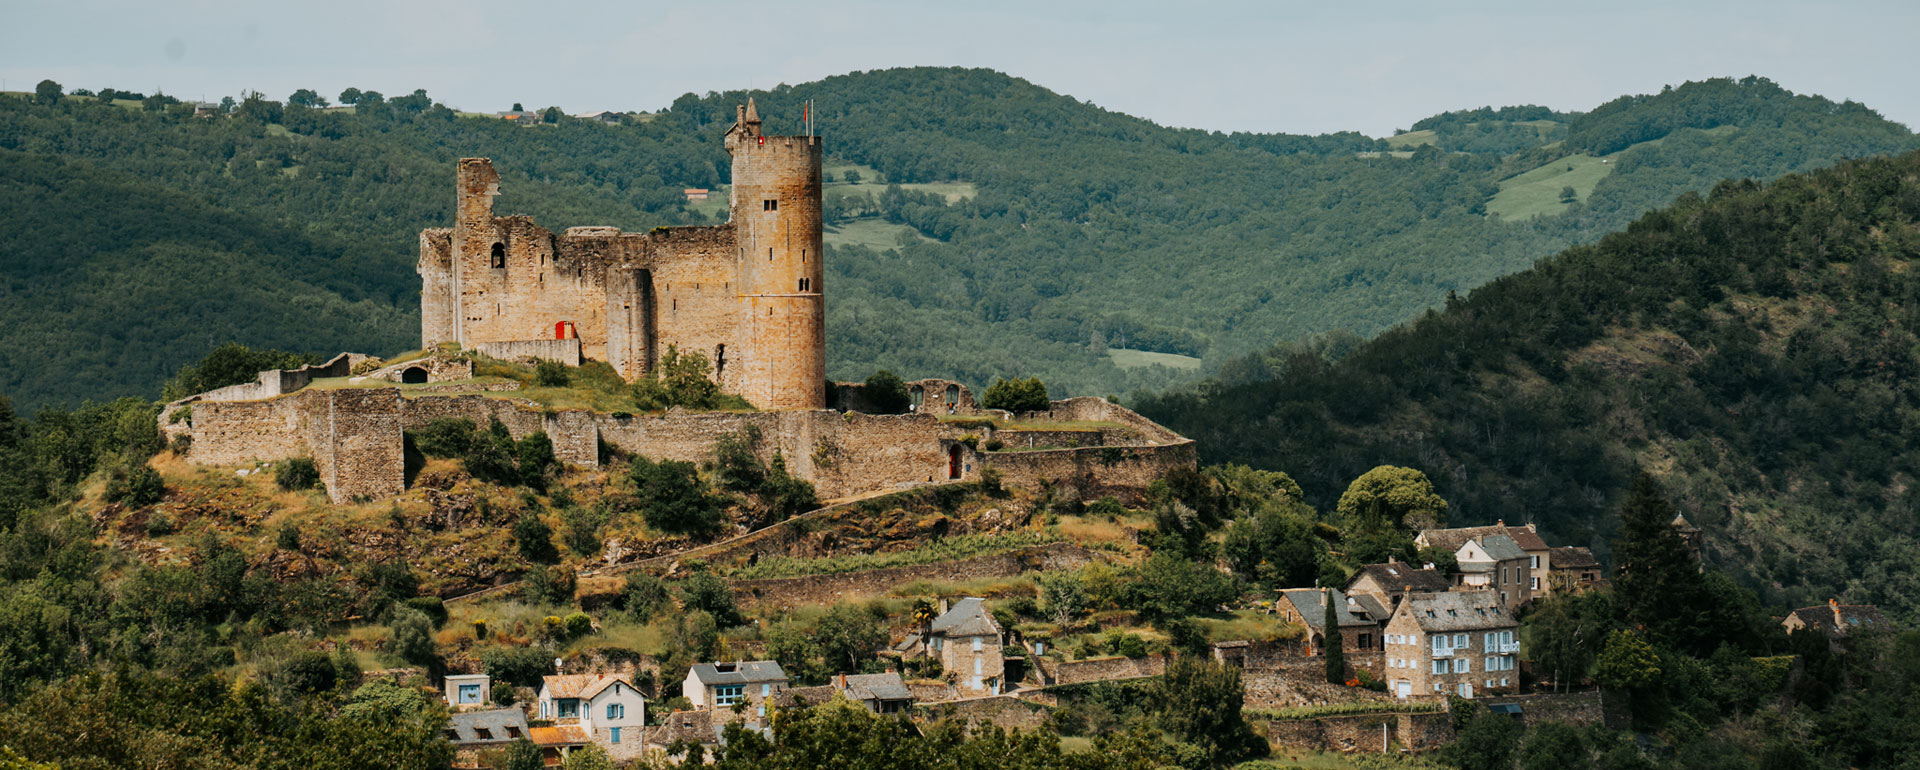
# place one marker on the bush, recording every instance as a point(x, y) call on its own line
point(288, 538)
point(446, 437)
point(297, 473)
point(535, 539)
point(413, 635)
point(431, 606)
point(674, 499)
point(515, 666)
point(551, 374)
point(645, 596)
point(136, 485)
point(1017, 395)
point(706, 593)
point(551, 585)
point(579, 624)
point(159, 523)
point(886, 393)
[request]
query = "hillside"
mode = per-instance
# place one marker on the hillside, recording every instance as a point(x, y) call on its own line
point(998, 228)
point(1755, 349)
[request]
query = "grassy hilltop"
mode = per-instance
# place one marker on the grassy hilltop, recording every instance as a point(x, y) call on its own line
point(979, 225)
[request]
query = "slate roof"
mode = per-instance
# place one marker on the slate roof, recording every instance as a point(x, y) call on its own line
point(1457, 611)
point(1573, 558)
point(1308, 602)
point(753, 671)
point(1852, 617)
point(1501, 548)
point(1396, 576)
point(1371, 606)
point(580, 685)
point(467, 725)
point(967, 617)
point(876, 687)
point(1451, 539)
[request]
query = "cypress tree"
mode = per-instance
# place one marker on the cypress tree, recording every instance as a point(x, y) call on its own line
point(1657, 579)
point(1336, 657)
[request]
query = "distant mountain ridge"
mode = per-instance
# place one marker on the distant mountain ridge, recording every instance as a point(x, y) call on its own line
point(1084, 229)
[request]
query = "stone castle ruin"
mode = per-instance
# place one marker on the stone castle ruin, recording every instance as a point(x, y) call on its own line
point(508, 287)
point(747, 294)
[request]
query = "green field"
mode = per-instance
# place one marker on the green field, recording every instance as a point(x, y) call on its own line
point(1537, 192)
point(873, 233)
point(1128, 359)
point(1412, 139)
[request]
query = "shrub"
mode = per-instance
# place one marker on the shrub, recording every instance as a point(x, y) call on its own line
point(515, 666)
point(288, 538)
point(674, 499)
point(579, 624)
point(886, 393)
point(551, 585)
point(1017, 395)
point(535, 539)
point(159, 523)
point(297, 473)
point(446, 437)
point(645, 596)
point(136, 485)
point(552, 374)
point(413, 635)
point(431, 606)
point(706, 593)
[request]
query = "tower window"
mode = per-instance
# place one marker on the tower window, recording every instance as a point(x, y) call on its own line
point(769, 253)
point(499, 256)
point(770, 205)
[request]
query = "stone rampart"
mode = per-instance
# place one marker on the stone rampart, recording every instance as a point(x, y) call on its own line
point(352, 435)
point(575, 439)
point(1099, 669)
point(565, 351)
point(790, 592)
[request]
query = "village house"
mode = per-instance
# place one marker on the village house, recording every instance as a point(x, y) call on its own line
point(1838, 621)
point(1497, 563)
point(967, 641)
point(1457, 642)
point(1357, 616)
point(468, 691)
point(1538, 555)
point(606, 708)
point(881, 693)
point(723, 688)
point(1388, 582)
point(1574, 570)
point(471, 732)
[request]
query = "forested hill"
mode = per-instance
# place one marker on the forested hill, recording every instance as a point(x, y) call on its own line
point(996, 228)
point(1757, 349)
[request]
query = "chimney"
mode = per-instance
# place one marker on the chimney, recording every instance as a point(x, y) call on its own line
point(1838, 622)
point(843, 681)
point(943, 605)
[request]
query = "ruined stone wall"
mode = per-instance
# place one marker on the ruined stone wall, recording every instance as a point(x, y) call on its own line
point(1005, 711)
point(575, 437)
point(1099, 669)
point(1587, 707)
point(231, 433)
point(1300, 682)
point(1362, 733)
point(1089, 409)
point(562, 351)
point(356, 441)
point(1042, 439)
point(1124, 472)
point(436, 286)
point(791, 592)
point(938, 396)
point(696, 290)
point(842, 454)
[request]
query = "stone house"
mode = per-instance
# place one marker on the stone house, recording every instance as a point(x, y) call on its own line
point(1497, 563)
point(1388, 582)
point(1574, 570)
point(881, 693)
point(557, 742)
point(721, 687)
point(1456, 642)
point(607, 709)
point(468, 691)
point(1836, 620)
point(1539, 554)
point(968, 643)
point(1358, 616)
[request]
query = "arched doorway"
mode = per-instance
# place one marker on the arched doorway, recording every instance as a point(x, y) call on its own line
point(413, 375)
point(953, 461)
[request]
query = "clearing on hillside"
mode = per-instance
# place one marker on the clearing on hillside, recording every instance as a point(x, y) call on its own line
point(1129, 359)
point(1537, 192)
point(872, 232)
point(1412, 139)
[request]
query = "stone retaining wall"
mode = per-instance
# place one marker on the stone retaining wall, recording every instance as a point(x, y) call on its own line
point(1123, 472)
point(1005, 711)
point(1362, 733)
point(1587, 707)
point(1098, 669)
point(563, 351)
point(790, 592)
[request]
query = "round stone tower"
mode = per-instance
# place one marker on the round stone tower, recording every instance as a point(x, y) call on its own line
point(776, 218)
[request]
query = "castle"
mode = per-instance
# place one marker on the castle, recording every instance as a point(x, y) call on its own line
point(509, 288)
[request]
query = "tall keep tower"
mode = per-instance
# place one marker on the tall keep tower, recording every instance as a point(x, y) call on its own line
point(777, 228)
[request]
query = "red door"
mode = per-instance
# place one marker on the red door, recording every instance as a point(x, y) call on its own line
point(953, 461)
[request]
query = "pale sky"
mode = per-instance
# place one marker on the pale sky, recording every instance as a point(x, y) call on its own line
point(1297, 67)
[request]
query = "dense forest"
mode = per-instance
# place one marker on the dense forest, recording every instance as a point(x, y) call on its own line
point(1754, 348)
point(141, 235)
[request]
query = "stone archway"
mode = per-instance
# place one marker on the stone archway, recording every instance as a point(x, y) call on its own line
point(413, 375)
